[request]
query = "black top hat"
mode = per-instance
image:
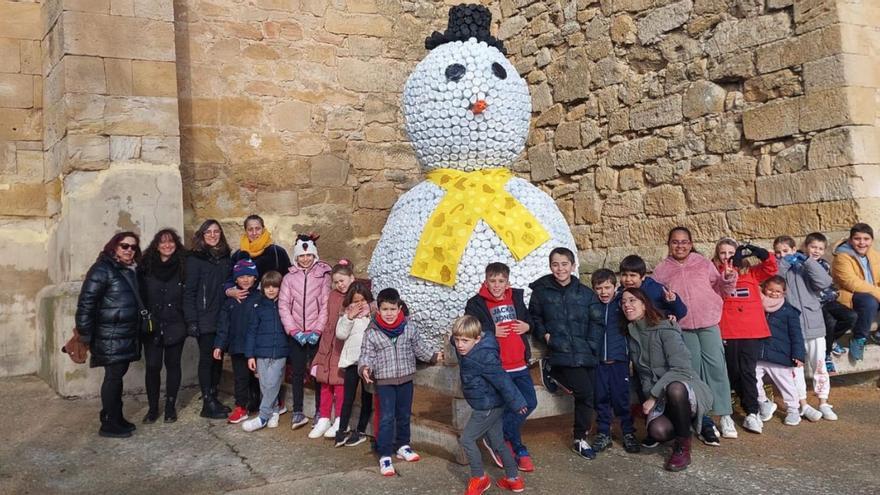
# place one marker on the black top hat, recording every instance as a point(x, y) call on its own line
point(465, 22)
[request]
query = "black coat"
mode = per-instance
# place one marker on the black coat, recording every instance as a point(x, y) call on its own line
point(164, 299)
point(203, 292)
point(573, 316)
point(477, 307)
point(232, 327)
point(107, 313)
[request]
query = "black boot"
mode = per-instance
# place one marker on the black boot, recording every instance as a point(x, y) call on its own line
point(170, 410)
point(151, 417)
point(210, 407)
point(225, 409)
point(110, 428)
point(120, 419)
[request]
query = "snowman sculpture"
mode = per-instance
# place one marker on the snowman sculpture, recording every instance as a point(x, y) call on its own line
point(467, 114)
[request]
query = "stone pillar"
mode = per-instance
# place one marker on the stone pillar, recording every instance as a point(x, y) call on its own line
point(111, 138)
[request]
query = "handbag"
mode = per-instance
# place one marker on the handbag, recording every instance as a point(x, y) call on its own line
point(146, 318)
point(74, 348)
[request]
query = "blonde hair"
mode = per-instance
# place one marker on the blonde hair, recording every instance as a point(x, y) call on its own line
point(466, 326)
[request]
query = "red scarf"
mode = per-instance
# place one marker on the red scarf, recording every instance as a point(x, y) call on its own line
point(392, 330)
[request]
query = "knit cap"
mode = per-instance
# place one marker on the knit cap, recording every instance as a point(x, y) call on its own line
point(244, 267)
point(305, 244)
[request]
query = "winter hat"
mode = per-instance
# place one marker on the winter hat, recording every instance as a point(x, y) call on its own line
point(244, 267)
point(305, 244)
point(465, 22)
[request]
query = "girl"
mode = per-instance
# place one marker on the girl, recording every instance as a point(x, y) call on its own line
point(743, 324)
point(676, 399)
point(303, 308)
point(350, 328)
point(325, 366)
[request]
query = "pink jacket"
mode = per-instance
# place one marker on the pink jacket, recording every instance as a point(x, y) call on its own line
point(302, 302)
point(699, 285)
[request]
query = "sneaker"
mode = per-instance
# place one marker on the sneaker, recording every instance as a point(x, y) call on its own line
point(238, 415)
point(356, 438)
point(282, 409)
point(320, 428)
point(875, 338)
point(650, 443)
point(582, 447)
point(630, 444)
point(341, 438)
point(708, 436)
point(728, 428)
point(828, 412)
point(829, 365)
point(273, 420)
point(753, 424)
point(811, 413)
point(476, 486)
point(838, 350)
point(385, 466)
point(407, 454)
point(298, 420)
point(524, 463)
point(857, 349)
point(793, 417)
point(331, 432)
point(496, 458)
point(766, 410)
point(515, 485)
point(253, 424)
point(549, 383)
point(601, 442)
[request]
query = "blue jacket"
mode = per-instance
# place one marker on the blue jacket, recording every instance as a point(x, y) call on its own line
point(613, 340)
point(233, 324)
point(265, 336)
point(484, 384)
point(654, 291)
point(573, 316)
point(786, 342)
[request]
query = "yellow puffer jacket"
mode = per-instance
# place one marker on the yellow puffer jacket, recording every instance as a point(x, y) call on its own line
point(848, 274)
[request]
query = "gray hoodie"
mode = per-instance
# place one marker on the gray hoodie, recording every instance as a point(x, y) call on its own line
point(805, 283)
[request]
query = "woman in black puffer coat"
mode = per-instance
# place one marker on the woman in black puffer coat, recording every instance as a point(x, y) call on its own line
point(161, 283)
point(108, 320)
point(207, 267)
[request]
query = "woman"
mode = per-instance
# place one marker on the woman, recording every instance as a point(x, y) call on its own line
point(108, 320)
point(207, 268)
point(676, 399)
point(256, 245)
point(700, 285)
point(161, 277)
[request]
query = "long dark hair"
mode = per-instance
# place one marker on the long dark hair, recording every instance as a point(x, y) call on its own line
point(652, 316)
point(357, 288)
point(199, 245)
point(109, 249)
point(151, 255)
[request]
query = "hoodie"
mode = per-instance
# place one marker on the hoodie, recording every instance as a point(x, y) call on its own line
point(849, 273)
point(699, 285)
point(515, 349)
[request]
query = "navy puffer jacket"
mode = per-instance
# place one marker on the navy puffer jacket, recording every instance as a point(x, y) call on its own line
point(265, 336)
point(786, 342)
point(233, 324)
point(484, 384)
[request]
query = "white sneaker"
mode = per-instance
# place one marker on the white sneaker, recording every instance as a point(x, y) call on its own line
point(728, 429)
point(828, 412)
point(793, 417)
point(766, 410)
point(811, 413)
point(253, 424)
point(407, 454)
point(753, 423)
point(331, 432)
point(273, 421)
point(385, 466)
point(320, 428)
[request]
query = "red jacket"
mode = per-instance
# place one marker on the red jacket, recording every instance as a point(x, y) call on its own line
point(743, 314)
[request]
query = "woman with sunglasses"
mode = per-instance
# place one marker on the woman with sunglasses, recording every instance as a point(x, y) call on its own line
point(207, 267)
point(108, 319)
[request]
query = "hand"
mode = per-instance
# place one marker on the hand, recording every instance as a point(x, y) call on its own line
point(547, 338)
point(672, 318)
point(729, 271)
point(798, 363)
point(300, 337)
point(237, 294)
point(193, 330)
point(523, 411)
point(313, 338)
point(668, 295)
point(759, 252)
point(648, 405)
point(365, 374)
point(502, 330)
point(252, 364)
point(520, 327)
point(439, 357)
point(218, 354)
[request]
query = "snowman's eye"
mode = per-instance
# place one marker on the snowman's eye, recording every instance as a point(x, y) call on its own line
point(455, 72)
point(499, 71)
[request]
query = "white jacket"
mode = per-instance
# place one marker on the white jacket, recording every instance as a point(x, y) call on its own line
point(352, 332)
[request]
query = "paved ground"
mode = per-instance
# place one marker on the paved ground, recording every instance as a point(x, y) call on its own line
point(50, 446)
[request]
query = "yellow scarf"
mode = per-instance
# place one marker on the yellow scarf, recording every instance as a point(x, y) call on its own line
point(257, 247)
point(471, 197)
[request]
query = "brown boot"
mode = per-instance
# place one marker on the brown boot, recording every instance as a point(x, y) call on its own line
point(680, 458)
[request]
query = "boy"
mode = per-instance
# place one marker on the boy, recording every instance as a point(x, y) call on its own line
point(856, 271)
point(231, 329)
point(388, 359)
point(502, 312)
point(487, 388)
point(632, 274)
point(567, 316)
point(612, 374)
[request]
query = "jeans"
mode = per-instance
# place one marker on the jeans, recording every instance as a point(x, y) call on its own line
point(488, 424)
point(395, 408)
point(866, 307)
point(209, 368)
point(580, 380)
point(153, 358)
point(352, 380)
point(838, 320)
point(300, 358)
point(742, 359)
point(612, 393)
point(271, 375)
point(111, 390)
point(513, 421)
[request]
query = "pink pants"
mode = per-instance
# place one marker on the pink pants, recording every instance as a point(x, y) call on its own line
point(784, 379)
point(331, 395)
point(814, 367)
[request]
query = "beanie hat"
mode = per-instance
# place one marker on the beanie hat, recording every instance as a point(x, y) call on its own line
point(244, 267)
point(305, 244)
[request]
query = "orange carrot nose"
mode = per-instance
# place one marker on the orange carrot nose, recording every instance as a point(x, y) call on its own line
point(478, 107)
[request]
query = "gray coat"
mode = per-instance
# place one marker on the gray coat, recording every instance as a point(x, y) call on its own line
point(805, 283)
point(660, 356)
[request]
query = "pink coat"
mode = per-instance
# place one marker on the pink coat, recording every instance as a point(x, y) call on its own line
point(302, 302)
point(699, 285)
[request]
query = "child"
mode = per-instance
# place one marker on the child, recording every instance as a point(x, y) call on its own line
point(743, 323)
point(856, 271)
point(806, 279)
point(350, 328)
point(632, 274)
point(325, 365)
point(388, 359)
point(502, 312)
point(782, 353)
point(266, 347)
point(567, 316)
point(490, 391)
point(302, 304)
point(612, 374)
point(231, 330)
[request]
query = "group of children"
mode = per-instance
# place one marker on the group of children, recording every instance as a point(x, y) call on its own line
point(774, 320)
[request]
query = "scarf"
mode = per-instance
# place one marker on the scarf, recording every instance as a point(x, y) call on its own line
point(392, 330)
point(256, 247)
point(165, 270)
point(772, 304)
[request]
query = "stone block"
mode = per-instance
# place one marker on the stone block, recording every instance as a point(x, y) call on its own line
point(606, 179)
point(841, 70)
point(122, 7)
point(623, 29)
point(791, 159)
point(83, 74)
point(124, 148)
point(844, 146)
point(141, 116)
point(511, 26)
point(118, 76)
point(328, 170)
point(162, 10)
point(568, 135)
point(150, 78)
point(570, 76)
point(838, 215)
point(16, 90)
point(162, 150)
point(376, 195)
point(20, 124)
point(665, 201)
point(31, 57)
point(24, 199)
point(864, 181)
point(809, 186)
point(679, 47)
point(20, 20)
point(372, 76)
point(800, 49)
point(572, 162)
point(552, 116)
point(365, 24)
point(608, 71)
point(118, 37)
point(587, 208)
point(779, 84)
point(767, 223)
point(590, 132)
point(725, 138)
point(732, 67)
point(702, 98)
point(631, 179)
point(369, 223)
point(772, 120)
point(658, 21)
point(836, 107)
point(623, 205)
point(87, 152)
point(739, 34)
point(656, 113)
point(542, 98)
point(10, 55)
point(286, 201)
point(726, 186)
point(542, 162)
point(639, 150)
point(291, 116)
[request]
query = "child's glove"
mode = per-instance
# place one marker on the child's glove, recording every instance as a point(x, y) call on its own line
point(795, 259)
point(301, 338)
point(758, 252)
point(313, 338)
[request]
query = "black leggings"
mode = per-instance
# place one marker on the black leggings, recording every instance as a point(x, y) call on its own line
point(209, 368)
point(111, 391)
point(676, 420)
point(300, 359)
point(352, 380)
point(153, 357)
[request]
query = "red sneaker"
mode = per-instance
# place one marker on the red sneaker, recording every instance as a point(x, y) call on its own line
point(517, 485)
point(237, 415)
point(476, 486)
point(525, 464)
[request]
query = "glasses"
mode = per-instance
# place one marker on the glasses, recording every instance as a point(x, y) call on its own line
point(212, 232)
point(126, 246)
point(680, 243)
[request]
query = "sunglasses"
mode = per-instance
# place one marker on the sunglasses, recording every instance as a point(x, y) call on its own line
point(126, 246)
